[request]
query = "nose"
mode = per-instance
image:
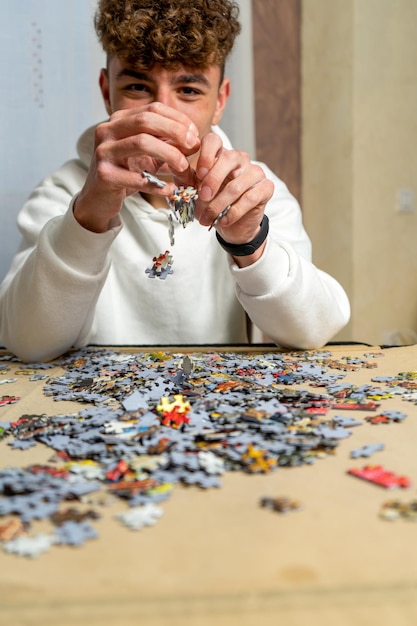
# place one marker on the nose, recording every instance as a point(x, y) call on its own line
point(164, 96)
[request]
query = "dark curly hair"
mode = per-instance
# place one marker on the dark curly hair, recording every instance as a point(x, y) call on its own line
point(170, 33)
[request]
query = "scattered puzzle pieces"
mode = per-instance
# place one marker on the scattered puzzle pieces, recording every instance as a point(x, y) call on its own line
point(12, 529)
point(280, 504)
point(74, 533)
point(379, 476)
point(367, 450)
point(29, 546)
point(8, 400)
point(258, 460)
point(148, 421)
point(386, 417)
point(141, 516)
point(211, 463)
point(394, 510)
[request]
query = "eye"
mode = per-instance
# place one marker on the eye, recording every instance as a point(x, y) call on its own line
point(136, 87)
point(190, 91)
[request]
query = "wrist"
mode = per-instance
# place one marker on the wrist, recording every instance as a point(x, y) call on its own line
point(90, 217)
point(249, 248)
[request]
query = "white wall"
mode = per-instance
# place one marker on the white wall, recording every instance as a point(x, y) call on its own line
point(239, 118)
point(49, 63)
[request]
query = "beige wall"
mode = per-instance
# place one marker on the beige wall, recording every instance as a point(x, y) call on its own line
point(359, 147)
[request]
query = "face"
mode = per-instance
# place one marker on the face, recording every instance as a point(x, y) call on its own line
point(196, 93)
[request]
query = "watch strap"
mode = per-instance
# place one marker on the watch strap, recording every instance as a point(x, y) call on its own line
point(244, 249)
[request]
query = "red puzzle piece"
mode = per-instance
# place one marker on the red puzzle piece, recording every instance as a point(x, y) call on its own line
point(379, 476)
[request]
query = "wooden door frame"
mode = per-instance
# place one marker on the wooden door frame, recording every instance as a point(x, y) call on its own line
point(277, 87)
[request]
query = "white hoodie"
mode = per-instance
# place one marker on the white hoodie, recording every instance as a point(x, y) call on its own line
point(69, 287)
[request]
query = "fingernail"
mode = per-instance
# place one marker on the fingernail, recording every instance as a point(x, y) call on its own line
point(190, 139)
point(202, 172)
point(183, 165)
point(205, 194)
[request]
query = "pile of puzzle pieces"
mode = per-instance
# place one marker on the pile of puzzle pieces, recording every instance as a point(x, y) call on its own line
point(151, 420)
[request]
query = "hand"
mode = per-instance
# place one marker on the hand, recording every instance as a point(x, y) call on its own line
point(228, 177)
point(133, 140)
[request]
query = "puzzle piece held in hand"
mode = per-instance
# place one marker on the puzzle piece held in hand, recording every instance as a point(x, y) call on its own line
point(182, 204)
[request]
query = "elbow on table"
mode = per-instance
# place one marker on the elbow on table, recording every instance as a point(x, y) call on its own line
point(315, 334)
point(33, 353)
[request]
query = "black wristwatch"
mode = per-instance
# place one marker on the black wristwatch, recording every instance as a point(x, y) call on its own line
point(244, 249)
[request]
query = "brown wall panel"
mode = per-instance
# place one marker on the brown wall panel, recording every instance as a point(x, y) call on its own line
point(277, 78)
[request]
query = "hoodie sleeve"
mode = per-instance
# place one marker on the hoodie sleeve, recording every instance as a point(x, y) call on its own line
point(289, 299)
point(56, 256)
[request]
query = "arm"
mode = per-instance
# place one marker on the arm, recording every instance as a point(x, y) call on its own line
point(131, 141)
point(48, 298)
point(293, 302)
point(290, 300)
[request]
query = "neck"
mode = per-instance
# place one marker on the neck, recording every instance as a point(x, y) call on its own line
point(158, 202)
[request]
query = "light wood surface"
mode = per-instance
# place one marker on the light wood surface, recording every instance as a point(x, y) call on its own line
point(217, 557)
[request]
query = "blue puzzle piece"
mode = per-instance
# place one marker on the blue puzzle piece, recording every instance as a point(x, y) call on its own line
point(367, 450)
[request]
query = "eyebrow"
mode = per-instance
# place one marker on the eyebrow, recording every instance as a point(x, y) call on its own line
point(192, 77)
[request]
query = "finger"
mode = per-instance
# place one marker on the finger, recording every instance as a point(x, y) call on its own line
point(155, 119)
point(187, 177)
point(229, 164)
point(241, 223)
point(211, 146)
point(116, 177)
point(157, 108)
point(220, 216)
point(140, 150)
point(244, 190)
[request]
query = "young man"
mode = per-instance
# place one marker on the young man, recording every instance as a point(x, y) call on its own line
point(91, 229)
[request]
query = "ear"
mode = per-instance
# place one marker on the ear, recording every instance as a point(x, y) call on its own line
point(222, 98)
point(105, 89)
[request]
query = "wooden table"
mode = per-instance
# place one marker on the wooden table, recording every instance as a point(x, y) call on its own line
point(217, 557)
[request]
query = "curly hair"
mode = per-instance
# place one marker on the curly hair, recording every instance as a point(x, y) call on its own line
point(170, 33)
